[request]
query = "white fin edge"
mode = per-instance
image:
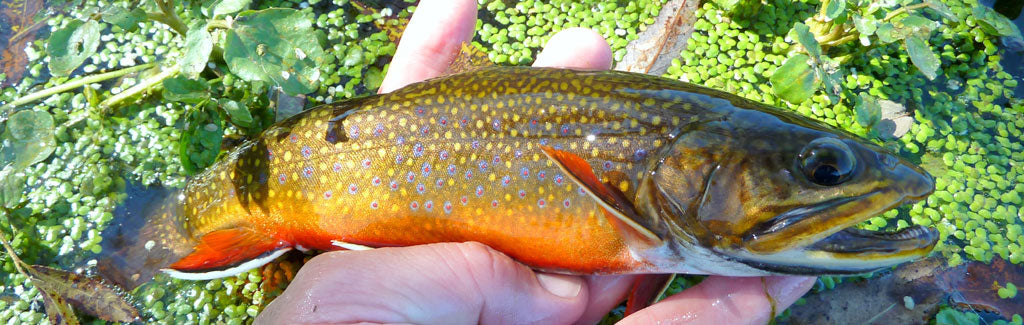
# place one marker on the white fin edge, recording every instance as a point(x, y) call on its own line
point(350, 246)
point(248, 265)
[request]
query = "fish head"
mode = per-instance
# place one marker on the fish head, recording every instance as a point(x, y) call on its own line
point(781, 194)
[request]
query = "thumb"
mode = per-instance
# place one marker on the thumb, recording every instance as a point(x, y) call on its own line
point(448, 283)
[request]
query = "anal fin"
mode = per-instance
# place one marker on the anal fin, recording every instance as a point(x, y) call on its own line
point(227, 252)
point(646, 290)
point(619, 210)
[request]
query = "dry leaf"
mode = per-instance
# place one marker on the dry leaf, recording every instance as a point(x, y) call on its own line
point(86, 293)
point(652, 52)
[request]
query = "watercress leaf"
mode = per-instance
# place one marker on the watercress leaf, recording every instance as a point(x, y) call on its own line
point(886, 33)
point(994, 22)
point(28, 139)
point(917, 23)
point(183, 89)
point(865, 26)
point(942, 10)
point(868, 111)
point(126, 19)
point(795, 80)
point(71, 45)
point(198, 45)
point(275, 45)
point(806, 39)
point(922, 56)
point(834, 8)
point(238, 113)
point(222, 7)
point(12, 185)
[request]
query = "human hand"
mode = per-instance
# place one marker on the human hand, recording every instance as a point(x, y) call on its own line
point(461, 283)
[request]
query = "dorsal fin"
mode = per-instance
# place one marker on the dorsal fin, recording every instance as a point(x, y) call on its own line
point(620, 211)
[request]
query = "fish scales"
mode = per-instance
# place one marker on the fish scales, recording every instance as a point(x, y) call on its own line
point(568, 171)
point(455, 160)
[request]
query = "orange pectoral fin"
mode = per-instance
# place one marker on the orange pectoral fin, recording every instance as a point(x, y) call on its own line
point(619, 210)
point(228, 252)
point(646, 289)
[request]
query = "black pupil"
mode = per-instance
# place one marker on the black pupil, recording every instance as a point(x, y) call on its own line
point(826, 174)
point(827, 162)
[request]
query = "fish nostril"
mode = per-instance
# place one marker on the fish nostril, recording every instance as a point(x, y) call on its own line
point(889, 161)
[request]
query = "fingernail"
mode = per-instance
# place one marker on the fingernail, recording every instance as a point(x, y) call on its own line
point(560, 285)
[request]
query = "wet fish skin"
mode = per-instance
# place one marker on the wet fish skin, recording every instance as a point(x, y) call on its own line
point(468, 158)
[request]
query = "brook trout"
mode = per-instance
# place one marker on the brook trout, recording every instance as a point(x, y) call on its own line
point(578, 172)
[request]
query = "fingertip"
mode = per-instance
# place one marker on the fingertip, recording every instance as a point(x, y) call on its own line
point(787, 289)
point(579, 48)
point(431, 40)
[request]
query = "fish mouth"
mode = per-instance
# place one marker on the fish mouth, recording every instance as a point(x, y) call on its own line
point(806, 245)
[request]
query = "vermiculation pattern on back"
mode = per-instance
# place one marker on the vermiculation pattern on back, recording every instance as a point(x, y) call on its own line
point(453, 156)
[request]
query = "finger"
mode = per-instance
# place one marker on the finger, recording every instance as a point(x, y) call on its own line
point(430, 41)
point(605, 292)
point(579, 48)
point(726, 300)
point(449, 283)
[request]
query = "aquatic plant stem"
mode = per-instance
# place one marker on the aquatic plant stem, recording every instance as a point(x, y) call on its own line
point(901, 10)
point(142, 86)
point(75, 83)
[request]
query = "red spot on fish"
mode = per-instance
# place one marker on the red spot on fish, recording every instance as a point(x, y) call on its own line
point(479, 190)
point(494, 204)
point(522, 193)
point(409, 177)
point(393, 185)
point(293, 138)
point(439, 182)
point(352, 188)
point(414, 205)
point(447, 207)
point(464, 200)
point(565, 203)
point(328, 195)
point(541, 203)
point(429, 205)
point(374, 205)
point(376, 181)
point(337, 167)
point(366, 163)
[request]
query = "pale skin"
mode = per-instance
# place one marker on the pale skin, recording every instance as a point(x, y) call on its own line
point(468, 283)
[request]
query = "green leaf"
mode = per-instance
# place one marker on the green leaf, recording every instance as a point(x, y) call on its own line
point(238, 113)
point(949, 316)
point(886, 33)
point(222, 7)
point(834, 9)
point(795, 80)
point(803, 35)
point(187, 90)
point(993, 22)
point(373, 78)
point(917, 23)
point(728, 5)
point(353, 57)
point(126, 19)
point(275, 45)
point(864, 26)
point(71, 45)
point(868, 111)
point(198, 45)
point(28, 139)
point(922, 56)
point(942, 10)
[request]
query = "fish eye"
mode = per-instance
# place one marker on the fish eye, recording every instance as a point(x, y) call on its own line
point(826, 161)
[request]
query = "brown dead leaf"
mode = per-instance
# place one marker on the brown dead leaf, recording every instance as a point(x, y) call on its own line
point(973, 286)
point(19, 15)
point(652, 52)
point(58, 310)
point(89, 294)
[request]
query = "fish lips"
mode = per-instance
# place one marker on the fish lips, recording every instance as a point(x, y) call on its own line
point(849, 243)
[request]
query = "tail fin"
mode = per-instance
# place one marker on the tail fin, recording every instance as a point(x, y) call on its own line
point(144, 237)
